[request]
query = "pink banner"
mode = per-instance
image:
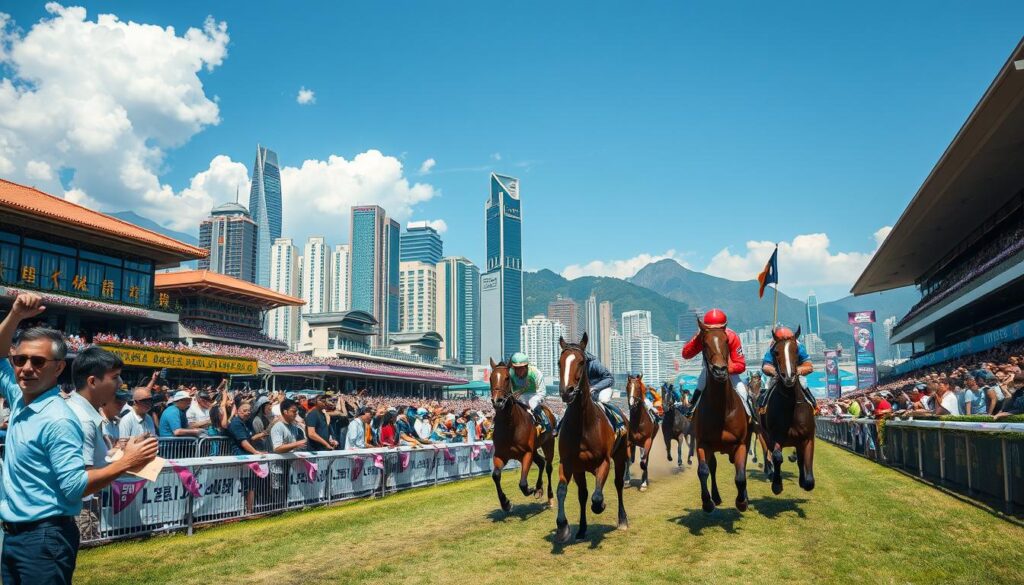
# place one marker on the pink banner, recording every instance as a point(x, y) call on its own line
point(378, 461)
point(403, 460)
point(187, 479)
point(476, 452)
point(124, 492)
point(311, 469)
point(448, 455)
point(261, 470)
point(357, 467)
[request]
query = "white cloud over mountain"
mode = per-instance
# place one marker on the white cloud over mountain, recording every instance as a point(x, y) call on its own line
point(619, 268)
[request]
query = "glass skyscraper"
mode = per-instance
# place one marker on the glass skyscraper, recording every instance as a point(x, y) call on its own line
point(374, 268)
point(265, 208)
point(229, 234)
point(458, 309)
point(501, 286)
point(421, 243)
point(813, 320)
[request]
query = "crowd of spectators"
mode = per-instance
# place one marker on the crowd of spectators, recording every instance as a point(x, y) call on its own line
point(229, 331)
point(63, 300)
point(1009, 243)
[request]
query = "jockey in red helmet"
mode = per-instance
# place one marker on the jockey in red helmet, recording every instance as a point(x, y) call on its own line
point(715, 318)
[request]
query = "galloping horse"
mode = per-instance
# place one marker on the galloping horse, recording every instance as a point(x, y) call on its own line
point(515, 437)
point(642, 428)
point(586, 443)
point(678, 427)
point(754, 389)
point(720, 423)
point(788, 420)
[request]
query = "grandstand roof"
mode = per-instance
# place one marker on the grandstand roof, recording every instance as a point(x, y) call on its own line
point(221, 285)
point(34, 208)
point(979, 172)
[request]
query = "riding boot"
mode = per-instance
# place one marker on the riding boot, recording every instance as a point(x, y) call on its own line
point(693, 403)
point(540, 419)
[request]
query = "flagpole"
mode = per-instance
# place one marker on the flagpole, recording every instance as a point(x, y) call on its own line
point(775, 313)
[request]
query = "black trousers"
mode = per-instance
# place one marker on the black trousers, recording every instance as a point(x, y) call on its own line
point(40, 553)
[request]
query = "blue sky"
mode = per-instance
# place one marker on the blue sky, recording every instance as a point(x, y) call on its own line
point(658, 129)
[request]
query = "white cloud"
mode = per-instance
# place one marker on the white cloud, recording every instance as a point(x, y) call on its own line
point(438, 224)
point(427, 165)
point(496, 156)
point(881, 234)
point(306, 96)
point(806, 261)
point(619, 268)
point(104, 99)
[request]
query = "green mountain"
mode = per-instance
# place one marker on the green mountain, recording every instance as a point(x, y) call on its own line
point(539, 288)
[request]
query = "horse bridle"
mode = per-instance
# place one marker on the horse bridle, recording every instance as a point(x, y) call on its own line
point(707, 366)
point(508, 395)
point(575, 389)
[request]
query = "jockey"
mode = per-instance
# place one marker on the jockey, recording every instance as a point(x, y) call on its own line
point(715, 318)
point(652, 400)
point(527, 379)
point(770, 368)
point(601, 390)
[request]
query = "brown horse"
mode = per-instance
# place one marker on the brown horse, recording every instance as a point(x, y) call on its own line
point(721, 422)
point(586, 443)
point(788, 420)
point(515, 437)
point(642, 428)
point(676, 426)
point(754, 386)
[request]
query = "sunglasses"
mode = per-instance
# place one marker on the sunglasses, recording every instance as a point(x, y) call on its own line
point(38, 361)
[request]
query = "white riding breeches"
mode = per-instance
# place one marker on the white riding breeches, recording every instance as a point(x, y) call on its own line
point(648, 404)
point(604, 396)
point(535, 400)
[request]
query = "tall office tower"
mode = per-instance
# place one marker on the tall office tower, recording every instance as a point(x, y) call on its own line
point(373, 268)
point(538, 338)
point(567, 312)
point(316, 276)
point(592, 325)
point(634, 323)
point(671, 353)
point(619, 353)
point(458, 310)
point(813, 319)
point(417, 291)
point(339, 278)
point(606, 323)
point(229, 234)
point(645, 357)
point(283, 322)
point(501, 286)
point(421, 243)
point(686, 326)
point(265, 207)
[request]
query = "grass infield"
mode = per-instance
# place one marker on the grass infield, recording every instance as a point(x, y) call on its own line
point(862, 524)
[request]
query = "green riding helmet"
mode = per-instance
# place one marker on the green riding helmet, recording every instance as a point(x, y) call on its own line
point(519, 359)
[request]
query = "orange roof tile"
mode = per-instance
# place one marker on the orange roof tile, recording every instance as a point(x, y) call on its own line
point(205, 279)
point(48, 207)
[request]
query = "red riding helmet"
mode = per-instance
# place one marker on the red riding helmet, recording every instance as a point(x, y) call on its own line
point(715, 318)
point(782, 332)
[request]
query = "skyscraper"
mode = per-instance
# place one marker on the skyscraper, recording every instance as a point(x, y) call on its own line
point(634, 323)
point(645, 357)
point(373, 268)
point(265, 208)
point(417, 292)
point(567, 312)
point(501, 286)
point(316, 276)
point(591, 324)
point(620, 353)
point(421, 243)
point(229, 234)
point(339, 278)
point(539, 340)
point(283, 322)
point(813, 321)
point(606, 324)
point(458, 309)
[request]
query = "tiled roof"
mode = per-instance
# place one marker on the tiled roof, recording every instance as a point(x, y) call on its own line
point(199, 279)
point(31, 200)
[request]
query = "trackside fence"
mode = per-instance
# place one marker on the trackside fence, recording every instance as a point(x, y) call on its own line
point(981, 460)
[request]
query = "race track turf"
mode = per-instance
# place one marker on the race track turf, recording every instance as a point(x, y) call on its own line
point(862, 524)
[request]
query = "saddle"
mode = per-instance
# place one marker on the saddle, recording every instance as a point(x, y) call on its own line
point(540, 424)
point(616, 419)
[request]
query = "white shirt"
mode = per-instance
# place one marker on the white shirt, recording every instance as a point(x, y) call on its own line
point(133, 425)
point(423, 428)
point(197, 414)
point(94, 448)
point(355, 438)
point(950, 403)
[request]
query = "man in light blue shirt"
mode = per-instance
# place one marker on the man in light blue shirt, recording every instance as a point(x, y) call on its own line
point(44, 475)
point(355, 437)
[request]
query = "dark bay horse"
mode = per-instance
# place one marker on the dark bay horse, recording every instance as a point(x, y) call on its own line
point(754, 387)
point(515, 437)
point(678, 427)
point(788, 420)
point(642, 428)
point(720, 424)
point(586, 443)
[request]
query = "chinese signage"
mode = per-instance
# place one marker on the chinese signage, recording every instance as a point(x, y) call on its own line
point(864, 347)
point(137, 356)
point(832, 385)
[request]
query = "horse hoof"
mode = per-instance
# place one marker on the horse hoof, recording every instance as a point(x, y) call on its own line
point(679, 465)
point(643, 487)
point(562, 534)
point(670, 458)
point(776, 488)
point(526, 490)
point(597, 508)
point(808, 485)
point(551, 503)
point(623, 526)
point(506, 506)
point(792, 457)
point(717, 500)
point(538, 493)
point(741, 506)
point(708, 506)
point(581, 535)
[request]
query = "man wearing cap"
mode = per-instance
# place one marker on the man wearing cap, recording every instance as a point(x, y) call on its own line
point(173, 421)
point(111, 412)
point(527, 379)
point(198, 413)
point(771, 369)
point(716, 319)
point(422, 424)
point(137, 421)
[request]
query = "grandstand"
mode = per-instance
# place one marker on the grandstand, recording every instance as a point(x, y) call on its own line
point(960, 241)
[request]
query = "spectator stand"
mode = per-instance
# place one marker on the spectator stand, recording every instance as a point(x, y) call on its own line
point(983, 460)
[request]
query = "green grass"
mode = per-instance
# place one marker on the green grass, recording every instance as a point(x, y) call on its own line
point(862, 524)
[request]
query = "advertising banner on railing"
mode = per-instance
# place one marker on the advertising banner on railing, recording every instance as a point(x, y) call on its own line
point(864, 348)
point(833, 389)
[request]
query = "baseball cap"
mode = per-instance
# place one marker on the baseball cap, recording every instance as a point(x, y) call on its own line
point(179, 395)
